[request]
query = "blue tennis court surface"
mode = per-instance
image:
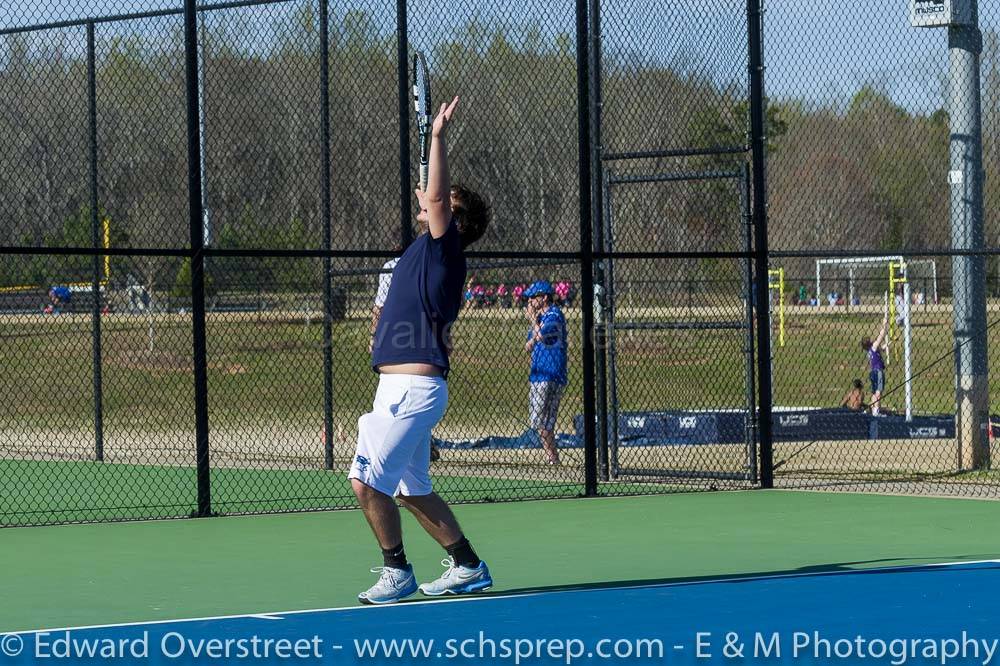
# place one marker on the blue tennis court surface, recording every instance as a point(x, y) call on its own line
point(935, 614)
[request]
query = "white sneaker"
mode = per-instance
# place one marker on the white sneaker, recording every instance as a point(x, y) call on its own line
point(393, 584)
point(459, 580)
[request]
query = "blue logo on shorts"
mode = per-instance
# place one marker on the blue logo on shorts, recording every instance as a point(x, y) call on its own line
point(362, 463)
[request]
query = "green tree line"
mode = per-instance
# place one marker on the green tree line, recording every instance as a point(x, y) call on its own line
point(866, 174)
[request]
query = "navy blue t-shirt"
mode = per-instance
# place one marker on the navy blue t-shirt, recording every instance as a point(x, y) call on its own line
point(424, 299)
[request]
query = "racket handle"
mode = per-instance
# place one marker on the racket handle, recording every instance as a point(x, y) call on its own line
point(423, 148)
point(423, 175)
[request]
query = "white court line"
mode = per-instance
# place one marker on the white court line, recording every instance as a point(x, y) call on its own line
point(280, 615)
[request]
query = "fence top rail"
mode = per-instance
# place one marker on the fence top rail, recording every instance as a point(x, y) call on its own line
point(680, 326)
point(481, 265)
point(136, 16)
point(680, 152)
point(870, 255)
point(678, 176)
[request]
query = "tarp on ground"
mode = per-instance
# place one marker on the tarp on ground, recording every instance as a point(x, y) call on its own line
point(688, 428)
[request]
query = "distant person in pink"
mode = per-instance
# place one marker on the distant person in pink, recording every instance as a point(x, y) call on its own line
point(519, 295)
point(562, 291)
point(503, 295)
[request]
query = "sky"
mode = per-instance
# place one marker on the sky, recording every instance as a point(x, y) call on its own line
point(819, 51)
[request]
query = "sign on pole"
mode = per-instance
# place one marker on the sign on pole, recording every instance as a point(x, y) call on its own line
point(940, 13)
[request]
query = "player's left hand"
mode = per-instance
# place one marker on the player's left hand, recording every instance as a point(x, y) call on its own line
point(444, 117)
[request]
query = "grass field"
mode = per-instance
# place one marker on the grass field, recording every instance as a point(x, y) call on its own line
point(266, 403)
point(267, 367)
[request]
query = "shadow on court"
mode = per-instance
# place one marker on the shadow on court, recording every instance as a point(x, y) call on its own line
point(877, 566)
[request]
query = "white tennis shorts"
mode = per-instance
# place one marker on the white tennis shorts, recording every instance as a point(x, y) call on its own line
point(394, 439)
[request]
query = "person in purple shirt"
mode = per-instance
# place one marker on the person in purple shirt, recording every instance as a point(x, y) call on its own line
point(876, 365)
point(410, 351)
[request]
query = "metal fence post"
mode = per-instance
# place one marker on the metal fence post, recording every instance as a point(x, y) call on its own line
point(196, 221)
point(752, 425)
point(758, 148)
point(324, 103)
point(586, 247)
point(95, 239)
point(597, 204)
point(403, 75)
point(206, 211)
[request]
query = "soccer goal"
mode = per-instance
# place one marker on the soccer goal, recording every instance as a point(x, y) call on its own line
point(863, 280)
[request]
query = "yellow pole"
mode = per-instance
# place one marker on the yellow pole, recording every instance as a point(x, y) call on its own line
point(107, 245)
point(781, 307)
point(778, 273)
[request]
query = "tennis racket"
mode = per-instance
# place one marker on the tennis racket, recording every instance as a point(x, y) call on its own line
point(422, 102)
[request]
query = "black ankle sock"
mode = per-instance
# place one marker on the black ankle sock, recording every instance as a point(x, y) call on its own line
point(394, 557)
point(461, 551)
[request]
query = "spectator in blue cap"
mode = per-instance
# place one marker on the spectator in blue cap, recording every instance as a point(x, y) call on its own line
point(59, 297)
point(547, 346)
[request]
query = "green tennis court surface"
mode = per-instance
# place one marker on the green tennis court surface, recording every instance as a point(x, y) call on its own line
point(95, 574)
point(82, 491)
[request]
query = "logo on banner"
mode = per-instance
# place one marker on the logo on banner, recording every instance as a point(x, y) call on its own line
point(794, 420)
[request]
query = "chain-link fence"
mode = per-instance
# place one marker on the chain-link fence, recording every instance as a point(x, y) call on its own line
point(880, 135)
point(202, 203)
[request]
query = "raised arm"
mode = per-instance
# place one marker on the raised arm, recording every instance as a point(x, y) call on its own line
point(880, 338)
point(437, 198)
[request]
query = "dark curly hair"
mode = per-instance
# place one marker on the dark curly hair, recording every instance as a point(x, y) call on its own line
point(471, 214)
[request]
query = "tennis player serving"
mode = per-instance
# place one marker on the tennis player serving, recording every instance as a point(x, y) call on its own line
point(410, 353)
point(876, 364)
